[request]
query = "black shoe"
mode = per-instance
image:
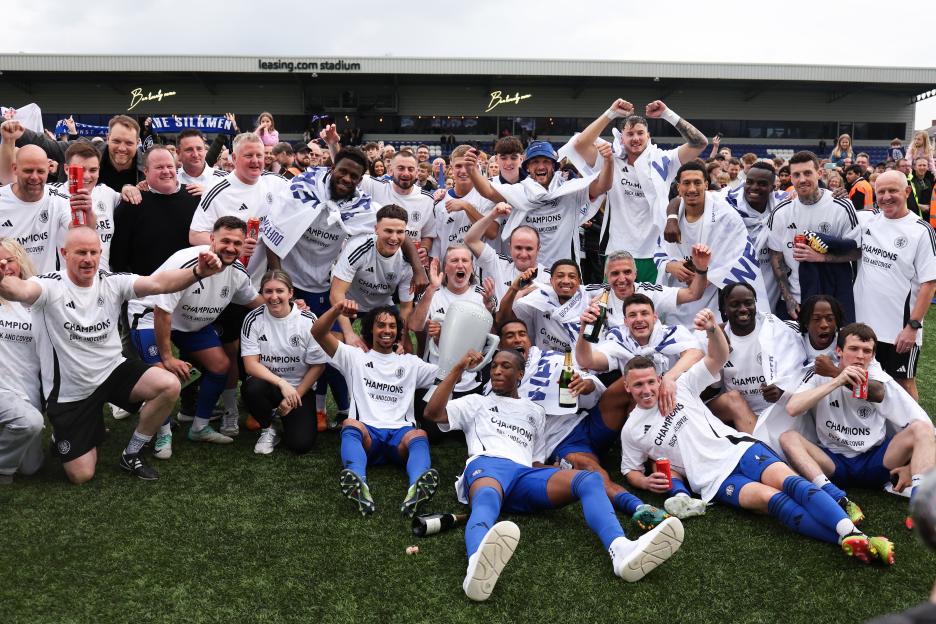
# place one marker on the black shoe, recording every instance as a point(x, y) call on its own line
point(135, 465)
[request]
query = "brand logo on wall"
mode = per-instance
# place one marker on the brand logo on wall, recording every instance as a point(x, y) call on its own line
point(498, 98)
point(136, 97)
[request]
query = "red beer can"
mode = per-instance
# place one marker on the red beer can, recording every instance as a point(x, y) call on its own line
point(663, 465)
point(75, 184)
point(253, 231)
point(861, 390)
point(800, 239)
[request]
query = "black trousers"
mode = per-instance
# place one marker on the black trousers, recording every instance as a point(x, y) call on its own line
point(299, 425)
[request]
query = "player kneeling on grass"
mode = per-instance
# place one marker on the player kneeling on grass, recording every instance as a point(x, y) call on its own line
point(721, 463)
point(506, 447)
point(380, 425)
point(854, 448)
point(283, 363)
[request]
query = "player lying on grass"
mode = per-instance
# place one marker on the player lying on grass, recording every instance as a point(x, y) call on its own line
point(721, 463)
point(852, 443)
point(506, 448)
point(380, 426)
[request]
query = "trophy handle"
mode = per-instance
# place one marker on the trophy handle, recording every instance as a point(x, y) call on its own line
point(438, 317)
point(490, 346)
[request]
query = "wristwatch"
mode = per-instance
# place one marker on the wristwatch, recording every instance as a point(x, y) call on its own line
point(915, 324)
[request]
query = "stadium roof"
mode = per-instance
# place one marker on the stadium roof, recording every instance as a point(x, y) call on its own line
point(917, 79)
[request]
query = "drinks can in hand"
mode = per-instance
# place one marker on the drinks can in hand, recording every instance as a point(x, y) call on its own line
point(663, 465)
point(253, 231)
point(861, 390)
point(800, 239)
point(75, 184)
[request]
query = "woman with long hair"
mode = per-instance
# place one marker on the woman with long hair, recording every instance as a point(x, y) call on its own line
point(843, 149)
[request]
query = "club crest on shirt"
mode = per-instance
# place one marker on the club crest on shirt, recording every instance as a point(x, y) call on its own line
point(759, 357)
point(44, 216)
point(63, 446)
point(295, 340)
point(224, 292)
point(100, 206)
point(900, 242)
point(864, 412)
point(100, 302)
point(400, 372)
point(825, 227)
point(269, 198)
point(414, 215)
point(390, 276)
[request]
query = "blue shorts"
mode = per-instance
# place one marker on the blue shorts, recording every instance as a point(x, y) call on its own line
point(749, 470)
point(384, 443)
point(524, 488)
point(188, 342)
point(866, 470)
point(590, 435)
point(318, 303)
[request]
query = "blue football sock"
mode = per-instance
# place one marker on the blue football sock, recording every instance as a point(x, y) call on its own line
point(817, 502)
point(797, 518)
point(678, 488)
point(212, 385)
point(353, 456)
point(418, 461)
point(834, 491)
point(599, 514)
point(627, 503)
point(485, 507)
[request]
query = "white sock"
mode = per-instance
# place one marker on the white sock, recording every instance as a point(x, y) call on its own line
point(845, 526)
point(165, 429)
point(229, 397)
point(821, 480)
point(914, 482)
point(199, 423)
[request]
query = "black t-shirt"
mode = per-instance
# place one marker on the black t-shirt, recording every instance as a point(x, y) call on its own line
point(118, 179)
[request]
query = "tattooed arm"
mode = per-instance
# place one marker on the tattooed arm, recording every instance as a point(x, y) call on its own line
point(781, 272)
point(695, 140)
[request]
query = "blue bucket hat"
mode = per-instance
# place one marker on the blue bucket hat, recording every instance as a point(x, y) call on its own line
point(539, 148)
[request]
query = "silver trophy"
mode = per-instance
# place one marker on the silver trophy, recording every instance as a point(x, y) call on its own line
point(465, 327)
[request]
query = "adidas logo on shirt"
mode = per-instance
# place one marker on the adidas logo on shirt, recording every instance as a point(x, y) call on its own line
point(70, 304)
point(369, 365)
point(262, 338)
point(441, 311)
point(728, 364)
point(450, 220)
point(197, 291)
point(493, 409)
point(369, 269)
point(833, 403)
point(242, 207)
point(902, 369)
point(647, 428)
point(792, 226)
point(7, 223)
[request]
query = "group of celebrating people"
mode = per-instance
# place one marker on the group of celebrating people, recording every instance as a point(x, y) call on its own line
point(755, 346)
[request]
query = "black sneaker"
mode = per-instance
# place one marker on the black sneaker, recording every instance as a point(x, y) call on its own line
point(135, 465)
point(420, 492)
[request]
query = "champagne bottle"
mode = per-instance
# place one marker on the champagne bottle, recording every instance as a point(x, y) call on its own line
point(566, 398)
point(430, 524)
point(593, 330)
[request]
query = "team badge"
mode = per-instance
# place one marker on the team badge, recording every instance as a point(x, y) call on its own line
point(415, 215)
point(153, 350)
point(100, 302)
point(100, 206)
point(825, 227)
point(400, 372)
point(760, 358)
point(63, 447)
point(295, 340)
point(44, 216)
point(900, 242)
point(729, 490)
point(224, 292)
point(390, 276)
point(269, 198)
point(864, 411)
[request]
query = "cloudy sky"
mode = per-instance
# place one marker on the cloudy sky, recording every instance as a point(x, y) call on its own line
point(794, 31)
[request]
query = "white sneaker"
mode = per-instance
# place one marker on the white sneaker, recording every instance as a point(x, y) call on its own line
point(634, 560)
point(162, 448)
point(118, 413)
point(268, 440)
point(229, 426)
point(486, 565)
point(208, 435)
point(684, 506)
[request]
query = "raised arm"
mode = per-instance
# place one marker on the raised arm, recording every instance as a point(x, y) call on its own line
point(321, 329)
point(584, 143)
point(695, 140)
point(14, 289)
point(420, 314)
point(329, 134)
point(435, 408)
point(717, 353)
point(481, 184)
point(602, 184)
point(505, 309)
point(475, 234)
point(802, 402)
point(585, 356)
point(701, 256)
point(175, 280)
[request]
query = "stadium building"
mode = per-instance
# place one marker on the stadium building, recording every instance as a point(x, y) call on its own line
point(764, 108)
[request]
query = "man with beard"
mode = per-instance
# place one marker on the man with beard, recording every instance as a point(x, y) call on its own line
point(302, 161)
point(545, 201)
point(380, 426)
point(643, 174)
point(896, 278)
point(459, 207)
point(505, 471)
point(550, 312)
point(81, 364)
point(575, 436)
point(186, 318)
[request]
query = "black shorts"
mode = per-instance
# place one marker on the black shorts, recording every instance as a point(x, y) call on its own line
point(897, 365)
point(78, 426)
point(230, 322)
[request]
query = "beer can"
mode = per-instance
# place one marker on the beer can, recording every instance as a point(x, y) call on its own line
point(861, 390)
point(75, 178)
point(800, 239)
point(253, 231)
point(663, 465)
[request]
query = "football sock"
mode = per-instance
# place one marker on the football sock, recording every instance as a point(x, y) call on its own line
point(353, 456)
point(599, 514)
point(418, 461)
point(914, 482)
point(137, 442)
point(212, 385)
point(818, 504)
point(829, 488)
point(795, 517)
point(485, 507)
point(229, 397)
point(679, 488)
point(627, 503)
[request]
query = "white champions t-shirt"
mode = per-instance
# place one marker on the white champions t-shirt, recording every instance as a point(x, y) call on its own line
point(418, 204)
point(498, 426)
point(76, 331)
point(663, 298)
point(285, 345)
point(38, 226)
point(557, 222)
point(18, 349)
point(209, 176)
point(451, 226)
point(829, 215)
point(309, 262)
point(382, 384)
point(104, 200)
point(503, 271)
point(546, 332)
point(633, 226)
point(373, 277)
point(743, 371)
point(698, 444)
point(201, 303)
point(897, 255)
point(230, 197)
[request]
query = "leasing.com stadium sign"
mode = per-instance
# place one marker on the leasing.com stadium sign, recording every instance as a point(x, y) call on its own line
point(307, 66)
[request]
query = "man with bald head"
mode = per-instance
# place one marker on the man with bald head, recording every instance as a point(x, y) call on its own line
point(896, 278)
point(80, 352)
point(33, 213)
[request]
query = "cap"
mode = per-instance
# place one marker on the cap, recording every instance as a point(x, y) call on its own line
point(539, 148)
point(299, 146)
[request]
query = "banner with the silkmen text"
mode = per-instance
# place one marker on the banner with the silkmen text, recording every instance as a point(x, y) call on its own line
point(209, 124)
